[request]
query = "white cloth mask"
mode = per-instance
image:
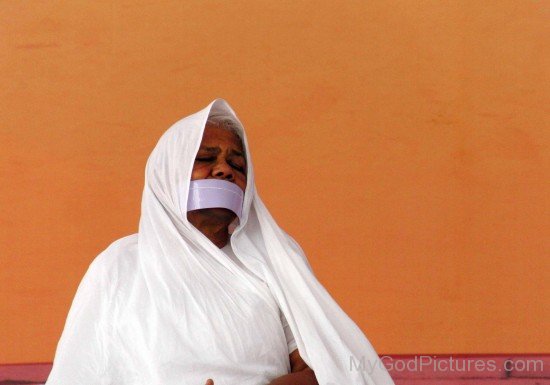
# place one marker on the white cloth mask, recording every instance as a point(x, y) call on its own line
point(210, 193)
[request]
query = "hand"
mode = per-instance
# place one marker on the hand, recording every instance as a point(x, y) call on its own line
point(209, 382)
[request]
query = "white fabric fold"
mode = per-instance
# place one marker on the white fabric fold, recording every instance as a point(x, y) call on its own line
point(167, 306)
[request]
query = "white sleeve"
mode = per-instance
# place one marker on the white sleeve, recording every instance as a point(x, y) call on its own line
point(291, 343)
point(80, 356)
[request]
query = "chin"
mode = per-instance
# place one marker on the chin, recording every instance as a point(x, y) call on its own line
point(218, 212)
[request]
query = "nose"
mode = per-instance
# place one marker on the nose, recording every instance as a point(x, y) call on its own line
point(222, 170)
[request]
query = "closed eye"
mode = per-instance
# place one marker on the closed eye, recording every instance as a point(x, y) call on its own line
point(211, 159)
point(241, 169)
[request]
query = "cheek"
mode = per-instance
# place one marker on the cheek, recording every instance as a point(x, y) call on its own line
point(241, 182)
point(199, 172)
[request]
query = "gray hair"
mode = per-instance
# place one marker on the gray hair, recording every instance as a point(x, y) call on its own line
point(227, 122)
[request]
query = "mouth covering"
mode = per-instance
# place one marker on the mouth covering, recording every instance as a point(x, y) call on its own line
point(209, 193)
point(138, 318)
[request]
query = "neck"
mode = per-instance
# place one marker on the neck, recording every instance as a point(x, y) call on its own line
point(213, 223)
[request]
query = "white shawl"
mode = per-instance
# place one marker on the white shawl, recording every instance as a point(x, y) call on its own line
point(146, 284)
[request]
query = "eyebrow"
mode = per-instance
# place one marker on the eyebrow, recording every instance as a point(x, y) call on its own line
point(217, 150)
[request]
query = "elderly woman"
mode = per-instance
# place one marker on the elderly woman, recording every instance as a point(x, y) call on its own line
point(210, 290)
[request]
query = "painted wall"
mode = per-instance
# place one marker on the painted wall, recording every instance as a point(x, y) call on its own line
point(403, 144)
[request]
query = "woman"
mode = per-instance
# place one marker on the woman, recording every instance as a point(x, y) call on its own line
point(208, 294)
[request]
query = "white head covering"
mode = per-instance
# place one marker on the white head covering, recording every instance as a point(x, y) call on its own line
point(175, 266)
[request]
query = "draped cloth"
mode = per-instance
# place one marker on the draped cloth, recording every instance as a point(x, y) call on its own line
point(167, 306)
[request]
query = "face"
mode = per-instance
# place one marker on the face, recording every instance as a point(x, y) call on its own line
point(220, 156)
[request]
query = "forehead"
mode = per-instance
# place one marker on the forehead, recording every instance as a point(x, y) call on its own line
point(214, 136)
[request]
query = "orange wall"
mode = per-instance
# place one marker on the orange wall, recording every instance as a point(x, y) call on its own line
point(412, 134)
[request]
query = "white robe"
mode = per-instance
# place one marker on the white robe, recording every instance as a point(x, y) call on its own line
point(290, 341)
point(166, 306)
